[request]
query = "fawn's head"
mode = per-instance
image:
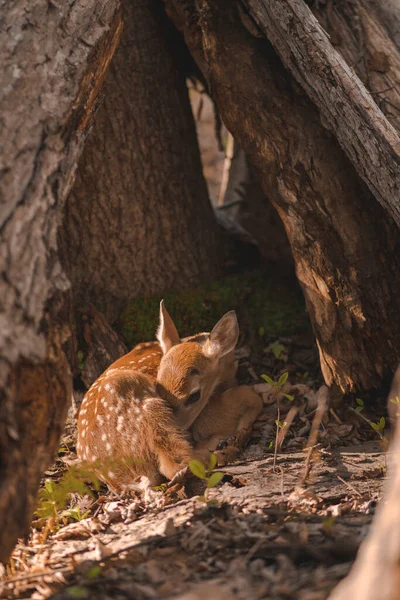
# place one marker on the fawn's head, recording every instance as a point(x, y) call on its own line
point(190, 370)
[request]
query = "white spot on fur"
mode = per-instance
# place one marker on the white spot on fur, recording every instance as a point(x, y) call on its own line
point(111, 475)
point(108, 446)
point(100, 419)
point(120, 425)
point(83, 433)
point(104, 437)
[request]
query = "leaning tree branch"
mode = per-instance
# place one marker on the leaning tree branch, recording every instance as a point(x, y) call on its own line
point(346, 107)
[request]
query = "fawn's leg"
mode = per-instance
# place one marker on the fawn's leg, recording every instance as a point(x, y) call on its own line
point(228, 415)
point(167, 440)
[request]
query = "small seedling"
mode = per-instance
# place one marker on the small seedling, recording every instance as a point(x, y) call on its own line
point(277, 386)
point(81, 359)
point(55, 495)
point(379, 426)
point(360, 405)
point(277, 348)
point(303, 376)
point(200, 471)
point(328, 523)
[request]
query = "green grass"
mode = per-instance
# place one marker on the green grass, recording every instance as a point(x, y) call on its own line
point(260, 303)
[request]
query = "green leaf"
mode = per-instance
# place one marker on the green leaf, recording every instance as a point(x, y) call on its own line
point(359, 409)
point(395, 400)
point(214, 479)
point(202, 498)
point(289, 397)
point(382, 423)
point(277, 349)
point(198, 469)
point(269, 380)
point(271, 444)
point(213, 462)
point(261, 331)
point(94, 572)
point(283, 379)
point(49, 486)
point(77, 591)
point(279, 424)
point(359, 402)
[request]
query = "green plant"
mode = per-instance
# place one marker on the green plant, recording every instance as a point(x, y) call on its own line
point(54, 496)
point(360, 405)
point(81, 359)
point(379, 426)
point(277, 387)
point(277, 348)
point(211, 478)
point(302, 376)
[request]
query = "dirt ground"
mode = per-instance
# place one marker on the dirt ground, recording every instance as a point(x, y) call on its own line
point(284, 532)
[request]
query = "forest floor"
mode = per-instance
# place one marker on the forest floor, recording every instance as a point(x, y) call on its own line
point(289, 531)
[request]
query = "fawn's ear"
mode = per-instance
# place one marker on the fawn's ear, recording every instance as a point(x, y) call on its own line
point(167, 334)
point(223, 337)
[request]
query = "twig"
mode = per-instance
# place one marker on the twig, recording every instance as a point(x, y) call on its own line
point(369, 422)
point(349, 486)
point(334, 415)
point(276, 433)
point(322, 398)
point(288, 421)
point(230, 147)
point(36, 575)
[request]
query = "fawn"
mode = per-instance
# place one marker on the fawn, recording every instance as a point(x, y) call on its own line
point(163, 404)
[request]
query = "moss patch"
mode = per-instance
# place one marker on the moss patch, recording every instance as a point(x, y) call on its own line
point(261, 304)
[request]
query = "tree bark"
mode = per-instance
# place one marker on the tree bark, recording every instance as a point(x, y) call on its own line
point(347, 109)
point(360, 32)
point(138, 220)
point(53, 61)
point(344, 245)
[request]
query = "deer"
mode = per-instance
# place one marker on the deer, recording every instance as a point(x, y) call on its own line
point(164, 404)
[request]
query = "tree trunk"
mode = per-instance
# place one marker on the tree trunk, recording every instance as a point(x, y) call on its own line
point(138, 220)
point(53, 61)
point(347, 109)
point(344, 245)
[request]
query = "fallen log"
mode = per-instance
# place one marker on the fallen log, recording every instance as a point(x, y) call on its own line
point(346, 107)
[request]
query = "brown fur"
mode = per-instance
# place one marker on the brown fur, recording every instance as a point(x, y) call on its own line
point(131, 425)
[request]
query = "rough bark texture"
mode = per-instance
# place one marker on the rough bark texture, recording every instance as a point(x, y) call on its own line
point(358, 31)
point(102, 343)
point(138, 220)
point(347, 109)
point(53, 59)
point(344, 246)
